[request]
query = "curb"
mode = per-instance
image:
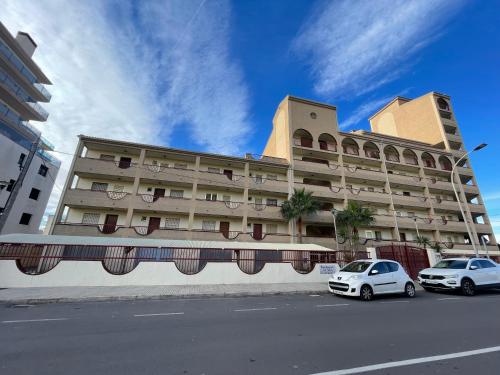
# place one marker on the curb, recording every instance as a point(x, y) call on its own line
point(40, 301)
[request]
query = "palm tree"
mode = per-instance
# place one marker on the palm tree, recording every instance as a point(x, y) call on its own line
point(300, 204)
point(423, 241)
point(352, 218)
point(437, 247)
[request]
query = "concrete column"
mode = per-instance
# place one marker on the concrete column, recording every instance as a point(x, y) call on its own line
point(135, 187)
point(194, 192)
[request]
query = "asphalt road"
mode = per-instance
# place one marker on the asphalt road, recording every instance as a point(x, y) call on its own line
point(296, 334)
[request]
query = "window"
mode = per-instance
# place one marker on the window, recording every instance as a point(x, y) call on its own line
point(370, 189)
point(258, 179)
point(172, 223)
point(107, 157)
point(208, 225)
point(176, 193)
point(393, 267)
point(99, 186)
point(475, 263)
point(125, 162)
point(381, 267)
point(10, 186)
point(214, 170)
point(271, 228)
point(486, 263)
point(211, 197)
point(226, 198)
point(313, 115)
point(20, 162)
point(118, 188)
point(34, 194)
point(411, 214)
point(272, 202)
point(406, 193)
point(369, 234)
point(91, 218)
point(42, 171)
point(258, 201)
point(272, 177)
point(403, 236)
point(378, 235)
point(25, 219)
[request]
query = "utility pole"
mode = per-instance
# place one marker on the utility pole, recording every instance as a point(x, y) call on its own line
point(18, 184)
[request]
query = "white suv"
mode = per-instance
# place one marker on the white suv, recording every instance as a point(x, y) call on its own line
point(365, 278)
point(463, 274)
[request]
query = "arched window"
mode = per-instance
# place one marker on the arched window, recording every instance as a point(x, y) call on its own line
point(410, 157)
point(443, 104)
point(302, 138)
point(327, 142)
point(428, 160)
point(371, 150)
point(445, 163)
point(350, 146)
point(391, 154)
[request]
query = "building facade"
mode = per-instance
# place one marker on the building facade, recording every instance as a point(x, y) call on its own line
point(404, 175)
point(27, 171)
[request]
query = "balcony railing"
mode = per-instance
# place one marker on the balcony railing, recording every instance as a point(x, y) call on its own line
point(17, 63)
point(45, 93)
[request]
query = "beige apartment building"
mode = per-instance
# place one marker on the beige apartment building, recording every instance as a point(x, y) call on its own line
point(401, 170)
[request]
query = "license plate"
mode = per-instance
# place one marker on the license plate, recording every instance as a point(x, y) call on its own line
point(339, 292)
point(431, 281)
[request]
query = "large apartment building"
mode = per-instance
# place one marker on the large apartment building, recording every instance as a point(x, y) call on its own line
point(27, 171)
point(401, 170)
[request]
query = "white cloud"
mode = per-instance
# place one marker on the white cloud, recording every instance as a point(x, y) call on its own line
point(135, 74)
point(364, 111)
point(356, 46)
point(492, 196)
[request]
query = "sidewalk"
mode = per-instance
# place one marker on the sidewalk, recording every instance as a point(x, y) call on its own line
point(117, 293)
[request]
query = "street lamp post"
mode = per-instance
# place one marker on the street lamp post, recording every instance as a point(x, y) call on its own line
point(334, 213)
point(477, 148)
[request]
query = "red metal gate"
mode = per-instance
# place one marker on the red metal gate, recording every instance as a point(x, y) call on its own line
point(413, 259)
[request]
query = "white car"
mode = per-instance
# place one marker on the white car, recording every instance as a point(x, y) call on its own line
point(366, 278)
point(463, 274)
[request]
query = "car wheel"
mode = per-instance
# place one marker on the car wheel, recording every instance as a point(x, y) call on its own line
point(366, 293)
point(468, 287)
point(410, 290)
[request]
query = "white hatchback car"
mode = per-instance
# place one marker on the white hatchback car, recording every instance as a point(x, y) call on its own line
point(463, 274)
point(366, 278)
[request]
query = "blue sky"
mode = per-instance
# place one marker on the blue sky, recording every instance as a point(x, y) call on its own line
point(207, 75)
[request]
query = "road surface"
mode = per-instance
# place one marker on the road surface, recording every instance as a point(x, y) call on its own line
point(295, 334)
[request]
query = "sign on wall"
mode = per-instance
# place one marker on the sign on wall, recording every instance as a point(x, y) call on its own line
point(326, 269)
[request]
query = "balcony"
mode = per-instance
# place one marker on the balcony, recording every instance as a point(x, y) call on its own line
point(219, 208)
point(422, 223)
point(332, 192)
point(454, 138)
point(181, 176)
point(464, 171)
point(264, 211)
point(270, 185)
point(398, 179)
point(103, 168)
point(148, 202)
point(361, 173)
point(477, 208)
point(451, 226)
point(43, 91)
point(319, 168)
point(367, 196)
point(321, 217)
point(445, 205)
point(101, 199)
point(471, 189)
point(484, 228)
point(435, 184)
point(231, 181)
point(412, 201)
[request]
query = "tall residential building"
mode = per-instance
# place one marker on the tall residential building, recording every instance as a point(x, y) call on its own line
point(401, 170)
point(27, 171)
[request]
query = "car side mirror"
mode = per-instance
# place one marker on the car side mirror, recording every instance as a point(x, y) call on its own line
point(472, 268)
point(373, 272)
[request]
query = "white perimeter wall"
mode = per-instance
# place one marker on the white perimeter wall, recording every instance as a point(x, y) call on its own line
point(81, 273)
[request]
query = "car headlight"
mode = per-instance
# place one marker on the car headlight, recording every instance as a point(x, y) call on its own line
point(454, 276)
point(354, 277)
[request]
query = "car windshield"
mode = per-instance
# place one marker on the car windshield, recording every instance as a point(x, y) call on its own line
point(356, 267)
point(452, 264)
